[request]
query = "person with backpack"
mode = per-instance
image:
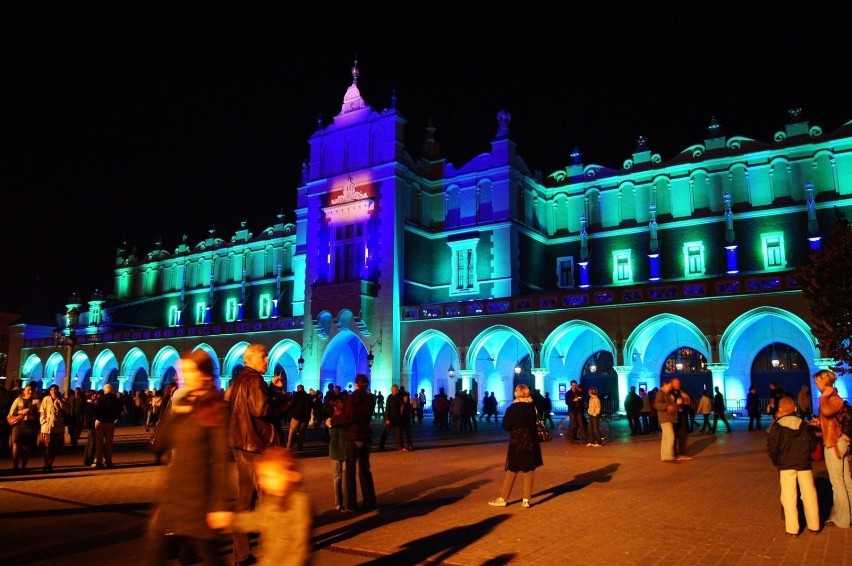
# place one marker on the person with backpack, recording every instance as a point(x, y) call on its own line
point(834, 414)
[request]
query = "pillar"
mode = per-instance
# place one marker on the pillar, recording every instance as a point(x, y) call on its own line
point(122, 383)
point(539, 374)
point(466, 376)
point(224, 382)
point(95, 382)
point(623, 372)
point(718, 371)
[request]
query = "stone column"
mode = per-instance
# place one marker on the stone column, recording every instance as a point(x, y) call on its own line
point(539, 374)
point(224, 382)
point(122, 383)
point(466, 376)
point(95, 382)
point(718, 371)
point(623, 372)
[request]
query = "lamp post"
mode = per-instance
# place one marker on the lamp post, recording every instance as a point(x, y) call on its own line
point(68, 342)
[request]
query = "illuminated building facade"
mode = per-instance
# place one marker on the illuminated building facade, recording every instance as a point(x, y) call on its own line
point(478, 277)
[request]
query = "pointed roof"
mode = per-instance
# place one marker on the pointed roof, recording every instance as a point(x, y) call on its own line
point(352, 100)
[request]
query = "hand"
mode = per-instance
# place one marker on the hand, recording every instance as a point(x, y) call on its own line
point(328, 422)
point(278, 381)
point(219, 519)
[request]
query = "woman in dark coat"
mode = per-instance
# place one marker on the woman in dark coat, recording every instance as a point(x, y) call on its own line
point(197, 481)
point(524, 453)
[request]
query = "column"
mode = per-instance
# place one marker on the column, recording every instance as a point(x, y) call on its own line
point(539, 374)
point(224, 382)
point(466, 376)
point(95, 382)
point(718, 371)
point(623, 372)
point(122, 383)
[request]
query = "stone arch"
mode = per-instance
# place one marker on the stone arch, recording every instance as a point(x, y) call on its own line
point(33, 370)
point(650, 343)
point(285, 355)
point(343, 358)
point(427, 362)
point(494, 354)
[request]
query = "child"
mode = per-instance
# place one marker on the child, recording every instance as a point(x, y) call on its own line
point(337, 454)
point(790, 443)
point(283, 516)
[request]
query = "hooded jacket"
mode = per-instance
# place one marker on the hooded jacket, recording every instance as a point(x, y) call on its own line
point(790, 443)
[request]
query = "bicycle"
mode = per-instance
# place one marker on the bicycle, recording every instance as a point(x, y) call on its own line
point(606, 427)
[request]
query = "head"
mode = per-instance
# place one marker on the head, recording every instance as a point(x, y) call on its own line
point(752, 389)
point(196, 370)
point(276, 471)
point(53, 391)
point(593, 391)
point(825, 379)
point(632, 389)
point(666, 385)
point(786, 406)
point(573, 385)
point(522, 393)
point(641, 391)
point(772, 385)
point(676, 383)
point(28, 391)
point(256, 357)
point(107, 389)
point(705, 393)
point(361, 381)
point(716, 389)
point(300, 387)
point(394, 389)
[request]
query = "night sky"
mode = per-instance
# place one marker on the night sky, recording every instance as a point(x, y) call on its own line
point(135, 122)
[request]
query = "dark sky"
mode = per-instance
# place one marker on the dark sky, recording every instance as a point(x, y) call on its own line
point(133, 121)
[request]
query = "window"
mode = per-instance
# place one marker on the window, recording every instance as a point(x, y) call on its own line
point(463, 268)
point(773, 250)
point(264, 307)
point(693, 259)
point(200, 313)
point(565, 272)
point(174, 316)
point(231, 310)
point(622, 272)
point(348, 250)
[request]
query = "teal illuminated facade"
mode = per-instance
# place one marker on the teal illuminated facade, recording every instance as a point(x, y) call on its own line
point(477, 277)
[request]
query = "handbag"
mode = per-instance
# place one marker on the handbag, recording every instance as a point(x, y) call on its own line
point(14, 419)
point(541, 430)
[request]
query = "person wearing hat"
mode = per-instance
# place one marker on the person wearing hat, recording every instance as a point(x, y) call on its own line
point(790, 442)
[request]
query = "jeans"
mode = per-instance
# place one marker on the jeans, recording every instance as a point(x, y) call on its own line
point(841, 483)
point(247, 495)
point(337, 481)
point(358, 453)
point(104, 435)
point(595, 428)
point(805, 480)
point(720, 416)
point(667, 442)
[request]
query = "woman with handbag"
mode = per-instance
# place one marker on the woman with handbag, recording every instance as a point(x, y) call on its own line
point(524, 451)
point(52, 426)
point(23, 416)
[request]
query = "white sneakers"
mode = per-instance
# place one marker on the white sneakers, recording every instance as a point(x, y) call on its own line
point(499, 502)
point(525, 503)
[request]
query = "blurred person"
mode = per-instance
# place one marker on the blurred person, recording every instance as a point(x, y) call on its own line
point(776, 393)
point(594, 418)
point(301, 407)
point(719, 410)
point(390, 415)
point(485, 412)
point(162, 414)
point(421, 405)
point(24, 421)
point(89, 426)
point(74, 415)
point(403, 426)
point(469, 412)
point(196, 433)
point(379, 404)
point(836, 449)
point(6, 398)
point(805, 402)
point(107, 412)
point(645, 411)
point(753, 409)
point(253, 430)
point(789, 443)
point(664, 404)
point(283, 517)
point(153, 409)
point(441, 410)
point(355, 419)
point(337, 454)
point(524, 451)
point(52, 426)
point(705, 407)
point(457, 410)
point(574, 400)
point(547, 405)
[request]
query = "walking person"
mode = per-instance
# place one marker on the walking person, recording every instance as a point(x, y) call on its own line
point(403, 428)
point(719, 410)
point(196, 432)
point(357, 411)
point(52, 426)
point(524, 452)
point(337, 453)
point(253, 429)
point(24, 412)
point(645, 411)
point(107, 412)
point(705, 407)
point(836, 449)
point(789, 443)
point(574, 400)
point(753, 409)
point(664, 403)
point(594, 418)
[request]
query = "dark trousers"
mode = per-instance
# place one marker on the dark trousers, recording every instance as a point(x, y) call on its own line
point(720, 416)
point(635, 424)
point(575, 425)
point(247, 495)
point(754, 423)
point(403, 436)
point(706, 423)
point(74, 430)
point(385, 434)
point(89, 451)
point(165, 548)
point(645, 417)
point(358, 453)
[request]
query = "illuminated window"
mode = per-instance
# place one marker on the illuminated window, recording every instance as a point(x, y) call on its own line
point(693, 259)
point(173, 316)
point(200, 313)
point(773, 250)
point(463, 267)
point(622, 271)
point(565, 272)
point(348, 248)
point(231, 310)
point(264, 307)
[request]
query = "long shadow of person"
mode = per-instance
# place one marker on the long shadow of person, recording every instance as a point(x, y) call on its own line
point(601, 475)
point(438, 547)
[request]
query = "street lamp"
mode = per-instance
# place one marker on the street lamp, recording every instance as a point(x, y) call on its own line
point(69, 342)
point(451, 371)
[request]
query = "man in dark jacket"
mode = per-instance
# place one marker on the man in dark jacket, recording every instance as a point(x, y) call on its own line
point(107, 411)
point(253, 429)
point(391, 414)
point(719, 410)
point(355, 419)
point(300, 415)
point(574, 400)
point(632, 406)
point(789, 443)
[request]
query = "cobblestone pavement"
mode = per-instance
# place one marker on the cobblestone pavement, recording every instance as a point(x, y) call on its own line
point(613, 505)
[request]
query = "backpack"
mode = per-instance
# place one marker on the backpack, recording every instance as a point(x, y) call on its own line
point(844, 419)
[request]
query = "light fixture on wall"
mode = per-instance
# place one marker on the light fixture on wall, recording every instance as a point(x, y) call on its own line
point(678, 359)
point(300, 363)
point(370, 357)
point(451, 371)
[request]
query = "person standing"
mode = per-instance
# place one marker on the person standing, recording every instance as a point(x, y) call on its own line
point(421, 405)
point(107, 412)
point(645, 411)
point(547, 416)
point(356, 420)
point(74, 415)
point(574, 400)
point(594, 418)
point(89, 426)
point(664, 403)
point(805, 402)
point(253, 429)
point(301, 407)
point(632, 406)
point(337, 453)
point(441, 410)
point(705, 407)
point(719, 410)
point(789, 443)
point(52, 426)
point(753, 409)
point(776, 393)
point(403, 428)
point(836, 449)
point(390, 415)
point(524, 451)
point(24, 431)
point(682, 402)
